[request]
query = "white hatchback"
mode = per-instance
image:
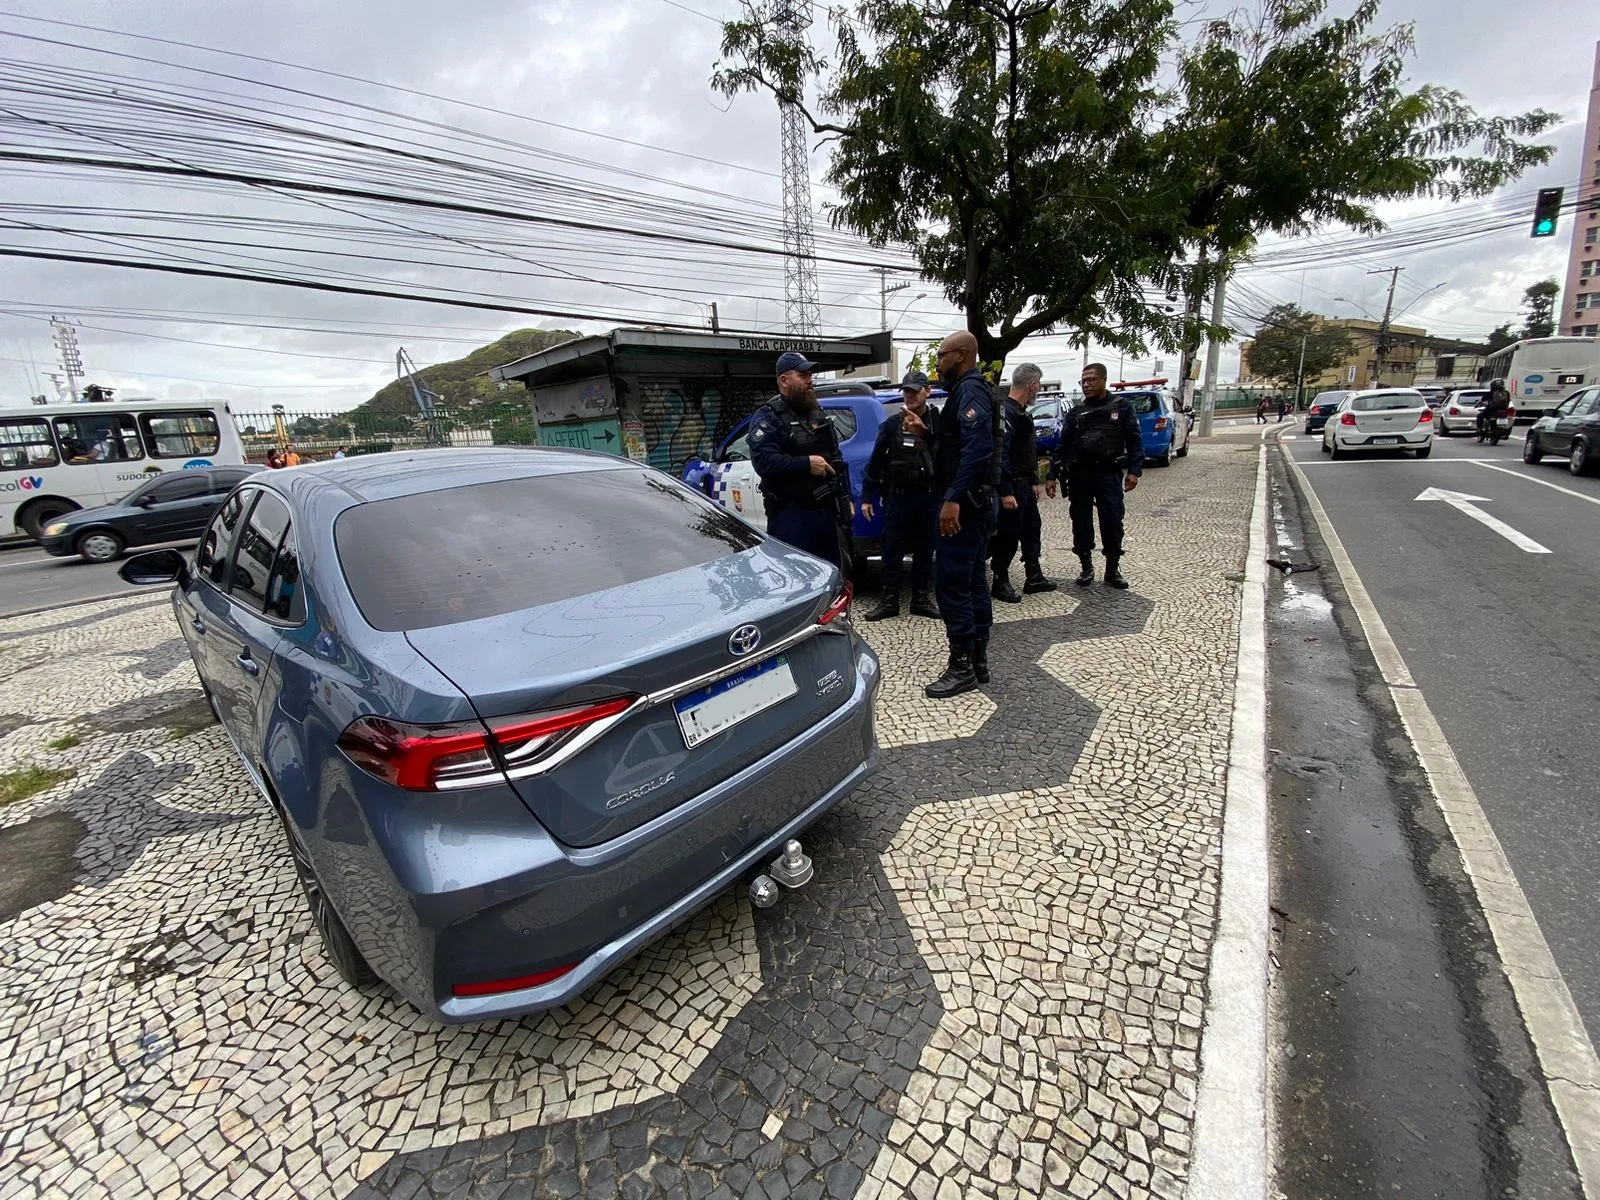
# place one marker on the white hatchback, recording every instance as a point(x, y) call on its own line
point(1393, 419)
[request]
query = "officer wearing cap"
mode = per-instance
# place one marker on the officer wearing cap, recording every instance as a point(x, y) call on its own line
point(972, 447)
point(899, 478)
point(1100, 456)
point(804, 480)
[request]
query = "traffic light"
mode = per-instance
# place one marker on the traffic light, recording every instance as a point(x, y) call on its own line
point(1545, 211)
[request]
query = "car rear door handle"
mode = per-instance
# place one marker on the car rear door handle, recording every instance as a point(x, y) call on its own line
point(198, 625)
point(248, 663)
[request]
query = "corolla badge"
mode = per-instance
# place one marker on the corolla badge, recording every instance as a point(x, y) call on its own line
point(744, 639)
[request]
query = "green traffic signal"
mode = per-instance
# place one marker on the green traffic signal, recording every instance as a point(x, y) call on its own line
point(1545, 212)
point(1545, 228)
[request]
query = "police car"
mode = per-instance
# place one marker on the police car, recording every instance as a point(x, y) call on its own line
point(1163, 426)
point(856, 411)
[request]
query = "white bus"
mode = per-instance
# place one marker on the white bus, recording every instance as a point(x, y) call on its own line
point(1542, 372)
point(55, 458)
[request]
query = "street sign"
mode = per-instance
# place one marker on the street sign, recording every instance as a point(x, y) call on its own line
point(583, 435)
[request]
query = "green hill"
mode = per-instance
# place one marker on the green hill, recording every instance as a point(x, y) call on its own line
point(461, 383)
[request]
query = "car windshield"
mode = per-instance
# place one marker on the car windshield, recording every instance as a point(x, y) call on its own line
point(1385, 401)
point(460, 554)
point(1044, 410)
point(1328, 398)
point(139, 492)
point(1468, 397)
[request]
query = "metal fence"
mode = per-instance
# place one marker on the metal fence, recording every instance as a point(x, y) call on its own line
point(316, 435)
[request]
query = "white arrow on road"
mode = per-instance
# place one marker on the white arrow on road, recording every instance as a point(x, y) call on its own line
point(1462, 502)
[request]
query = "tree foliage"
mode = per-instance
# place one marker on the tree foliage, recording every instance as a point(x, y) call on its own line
point(1499, 338)
point(461, 382)
point(1539, 309)
point(1275, 352)
point(1029, 154)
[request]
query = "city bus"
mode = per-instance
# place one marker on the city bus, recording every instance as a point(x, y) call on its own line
point(1542, 372)
point(55, 458)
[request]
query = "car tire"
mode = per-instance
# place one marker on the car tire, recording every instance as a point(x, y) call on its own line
point(347, 959)
point(1425, 451)
point(1578, 461)
point(1333, 450)
point(41, 514)
point(1184, 453)
point(99, 546)
point(1530, 449)
point(1444, 430)
point(1324, 445)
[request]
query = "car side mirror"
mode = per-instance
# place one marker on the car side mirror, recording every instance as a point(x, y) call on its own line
point(156, 566)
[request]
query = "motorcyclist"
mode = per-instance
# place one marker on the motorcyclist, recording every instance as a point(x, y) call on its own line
point(1494, 407)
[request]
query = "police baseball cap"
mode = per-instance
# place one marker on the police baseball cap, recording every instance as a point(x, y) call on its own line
point(791, 360)
point(914, 381)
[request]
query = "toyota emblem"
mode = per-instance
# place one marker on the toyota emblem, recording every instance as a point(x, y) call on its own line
point(744, 639)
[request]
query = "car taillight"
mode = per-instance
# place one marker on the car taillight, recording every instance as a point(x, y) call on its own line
point(1511, 413)
point(1454, 411)
point(1161, 423)
point(839, 607)
point(1427, 415)
point(495, 987)
point(1348, 418)
point(431, 758)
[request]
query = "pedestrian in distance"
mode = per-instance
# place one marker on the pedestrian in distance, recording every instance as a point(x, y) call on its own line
point(1283, 408)
point(274, 460)
point(968, 470)
point(1261, 411)
point(1099, 458)
point(804, 481)
point(899, 480)
point(290, 458)
point(341, 452)
point(1019, 523)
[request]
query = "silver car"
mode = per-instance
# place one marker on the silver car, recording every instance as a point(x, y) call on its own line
point(1459, 412)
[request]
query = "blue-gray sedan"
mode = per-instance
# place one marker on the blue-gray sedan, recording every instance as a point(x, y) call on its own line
point(520, 711)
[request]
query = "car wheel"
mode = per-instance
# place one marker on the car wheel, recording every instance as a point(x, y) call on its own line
point(1530, 449)
point(40, 515)
point(99, 546)
point(1333, 449)
point(1184, 453)
point(1578, 463)
point(336, 939)
point(1425, 451)
point(1444, 430)
point(1324, 444)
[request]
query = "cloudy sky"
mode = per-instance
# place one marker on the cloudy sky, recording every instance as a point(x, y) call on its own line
point(568, 118)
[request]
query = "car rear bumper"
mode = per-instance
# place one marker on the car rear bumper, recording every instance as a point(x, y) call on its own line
point(507, 927)
point(1358, 440)
point(1315, 424)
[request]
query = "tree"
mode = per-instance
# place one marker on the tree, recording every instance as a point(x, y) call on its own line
point(1030, 156)
point(1275, 353)
point(1539, 309)
point(1499, 338)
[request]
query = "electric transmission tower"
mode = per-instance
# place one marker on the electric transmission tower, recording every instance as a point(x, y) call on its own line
point(66, 342)
point(801, 309)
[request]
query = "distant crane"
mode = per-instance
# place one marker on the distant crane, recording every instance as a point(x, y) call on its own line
point(427, 401)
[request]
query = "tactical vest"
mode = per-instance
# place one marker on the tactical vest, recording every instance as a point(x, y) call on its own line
point(949, 457)
point(910, 464)
point(801, 491)
point(1101, 437)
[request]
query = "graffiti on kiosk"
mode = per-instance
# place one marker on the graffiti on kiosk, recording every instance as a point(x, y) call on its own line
point(688, 417)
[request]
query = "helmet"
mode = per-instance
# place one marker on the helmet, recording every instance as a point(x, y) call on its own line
point(1497, 383)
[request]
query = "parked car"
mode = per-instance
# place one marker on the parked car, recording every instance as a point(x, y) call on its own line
point(519, 712)
point(1047, 412)
point(1571, 432)
point(1391, 419)
point(1323, 405)
point(1163, 426)
point(175, 507)
point(730, 477)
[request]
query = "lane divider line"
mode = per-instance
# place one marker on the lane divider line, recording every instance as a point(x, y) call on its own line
point(1565, 491)
point(1566, 1055)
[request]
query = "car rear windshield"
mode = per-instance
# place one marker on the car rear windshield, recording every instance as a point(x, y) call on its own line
point(439, 558)
point(1386, 401)
point(1463, 397)
point(1144, 402)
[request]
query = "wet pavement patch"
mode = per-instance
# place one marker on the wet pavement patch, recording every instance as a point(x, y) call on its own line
point(40, 862)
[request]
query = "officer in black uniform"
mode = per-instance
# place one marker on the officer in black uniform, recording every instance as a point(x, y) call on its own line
point(1100, 456)
point(899, 478)
point(971, 451)
point(1019, 523)
point(804, 481)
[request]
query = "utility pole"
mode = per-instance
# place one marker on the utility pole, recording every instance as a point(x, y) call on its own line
point(802, 309)
point(66, 341)
point(1192, 310)
point(1383, 326)
point(1300, 375)
point(716, 325)
point(885, 290)
point(1213, 350)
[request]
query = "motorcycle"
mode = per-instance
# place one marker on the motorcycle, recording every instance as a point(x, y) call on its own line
point(1491, 430)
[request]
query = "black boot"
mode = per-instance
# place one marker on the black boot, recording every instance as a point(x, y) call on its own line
point(922, 605)
point(1002, 589)
point(1035, 581)
point(888, 606)
point(957, 677)
point(1113, 574)
point(1085, 576)
point(980, 661)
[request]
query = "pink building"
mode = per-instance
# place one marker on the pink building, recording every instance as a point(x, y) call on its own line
point(1580, 301)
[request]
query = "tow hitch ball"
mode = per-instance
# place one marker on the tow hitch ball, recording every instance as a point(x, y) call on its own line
point(793, 869)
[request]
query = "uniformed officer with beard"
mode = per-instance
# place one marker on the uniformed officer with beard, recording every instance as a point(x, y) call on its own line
point(1100, 456)
point(804, 481)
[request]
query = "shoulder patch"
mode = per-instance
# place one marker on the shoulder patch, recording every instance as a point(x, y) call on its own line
point(757, 434)
point(970, 413)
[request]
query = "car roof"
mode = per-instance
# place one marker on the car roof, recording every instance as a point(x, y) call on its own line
point(410, 472)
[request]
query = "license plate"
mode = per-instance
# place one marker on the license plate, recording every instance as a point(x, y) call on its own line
point(1384, 441)
point(707, 712)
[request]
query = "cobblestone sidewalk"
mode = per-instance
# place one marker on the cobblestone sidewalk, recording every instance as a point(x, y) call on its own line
point(994, 987)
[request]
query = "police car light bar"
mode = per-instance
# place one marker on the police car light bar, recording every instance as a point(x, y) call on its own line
point(1130, 383)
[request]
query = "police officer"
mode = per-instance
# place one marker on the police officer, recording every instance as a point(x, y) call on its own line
point(796, 455)
point(1019, 523)
point(971, 450)
point(899, 477)
point(1100, 456)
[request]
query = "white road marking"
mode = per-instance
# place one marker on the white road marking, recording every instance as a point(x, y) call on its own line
point(1230, 1133)
point(1566, 1056)
point(1462, 502)
point(1389, 462)
point(1484, 462)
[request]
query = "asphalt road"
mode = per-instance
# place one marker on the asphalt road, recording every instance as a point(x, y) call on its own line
point(1519, 706)
point(31, 579)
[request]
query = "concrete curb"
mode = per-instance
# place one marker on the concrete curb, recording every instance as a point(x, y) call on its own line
point(1230, 1140)
point(141, 597)
point(1566, 1055)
